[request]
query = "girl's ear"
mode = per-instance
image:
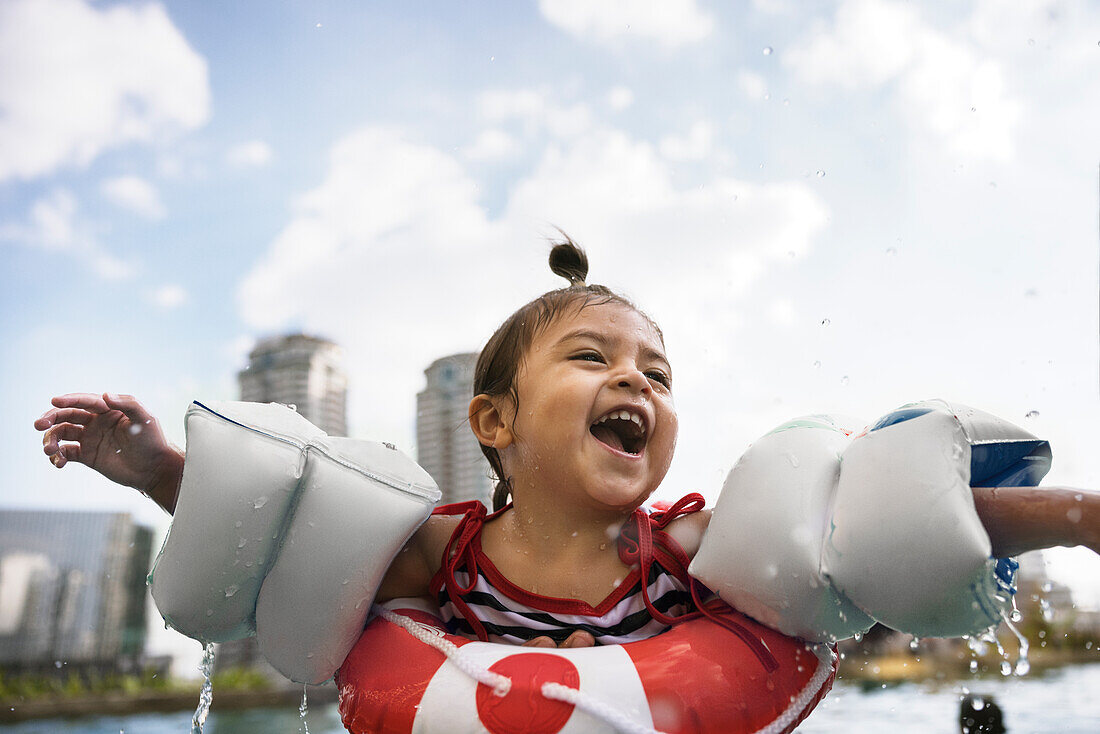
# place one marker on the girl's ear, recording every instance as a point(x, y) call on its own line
point(489, 422)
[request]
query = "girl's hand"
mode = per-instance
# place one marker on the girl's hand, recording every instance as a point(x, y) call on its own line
point(580, 638)
point(117, 437)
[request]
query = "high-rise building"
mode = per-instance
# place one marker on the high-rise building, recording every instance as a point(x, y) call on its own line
point(446, 447)
point(72, 589)
point(303, 371)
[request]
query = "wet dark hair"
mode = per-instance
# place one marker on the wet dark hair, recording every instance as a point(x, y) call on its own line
point(499, 361)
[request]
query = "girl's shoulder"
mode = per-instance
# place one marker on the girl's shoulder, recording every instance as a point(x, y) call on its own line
point(688, 530)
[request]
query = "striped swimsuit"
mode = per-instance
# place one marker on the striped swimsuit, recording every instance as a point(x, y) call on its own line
point(476, 600)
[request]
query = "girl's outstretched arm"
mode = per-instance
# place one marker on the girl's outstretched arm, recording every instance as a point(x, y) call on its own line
point(117, 437)
point(1019, 519)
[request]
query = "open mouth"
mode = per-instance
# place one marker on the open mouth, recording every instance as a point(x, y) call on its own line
point(621, 430)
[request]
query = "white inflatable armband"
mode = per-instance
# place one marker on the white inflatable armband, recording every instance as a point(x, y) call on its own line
point(283, 531)
point(762, 550)
point(905, 542)
point(238, 485)
point(350, 523)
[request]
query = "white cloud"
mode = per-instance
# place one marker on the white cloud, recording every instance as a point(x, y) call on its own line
point(394, 257)
point(619, 98)
point(492, 144)
point(670, 23)
point(250, 154)
point(168, 296)
point(76, 80)
point(135, 194)
point(947, 85)
point(53, 225)
point(752, 84)
point(695, 145)
point(49, 223)
point(534, 112)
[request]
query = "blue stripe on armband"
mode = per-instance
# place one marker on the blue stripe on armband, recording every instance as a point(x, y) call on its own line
point(899, 416)
point(1005, 574)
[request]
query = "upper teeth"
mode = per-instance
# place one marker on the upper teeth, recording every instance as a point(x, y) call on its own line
point(624, 415)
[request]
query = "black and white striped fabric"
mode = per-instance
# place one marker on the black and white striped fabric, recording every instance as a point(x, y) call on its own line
point(490, 607)
point(619, 619)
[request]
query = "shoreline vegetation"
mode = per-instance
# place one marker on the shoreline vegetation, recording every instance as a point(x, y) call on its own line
point(28, 697)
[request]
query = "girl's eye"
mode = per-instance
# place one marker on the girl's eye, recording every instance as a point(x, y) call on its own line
point(658, 376)
point(588, 357)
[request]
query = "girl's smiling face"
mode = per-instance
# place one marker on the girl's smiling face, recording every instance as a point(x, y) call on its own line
point(595, 422)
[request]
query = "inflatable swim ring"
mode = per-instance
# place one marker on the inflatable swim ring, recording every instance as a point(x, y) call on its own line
point(407, 674)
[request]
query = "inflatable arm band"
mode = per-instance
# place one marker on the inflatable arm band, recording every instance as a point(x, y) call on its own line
point(283, 532)
point(819, 535)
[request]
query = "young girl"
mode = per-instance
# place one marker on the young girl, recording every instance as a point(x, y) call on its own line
point(573, 409)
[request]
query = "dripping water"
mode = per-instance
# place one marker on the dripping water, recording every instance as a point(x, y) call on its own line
point(206, 694)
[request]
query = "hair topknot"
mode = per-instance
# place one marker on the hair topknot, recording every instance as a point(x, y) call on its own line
point(568, 260)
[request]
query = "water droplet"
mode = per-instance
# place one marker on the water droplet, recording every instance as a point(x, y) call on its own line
point(820, 174)
point(242, 542)
point(231, 590)
point(768, 50)
point(57, 664)
point(1073, 514)
point(973, 666)
point(260, 502)
point(844, 380)
point(1032, 414)
point(1031, 42)
point(791, 459)
point(817, 364)
point(135, 429)
point(914, 644)
point(825, 322)
point(237, 524)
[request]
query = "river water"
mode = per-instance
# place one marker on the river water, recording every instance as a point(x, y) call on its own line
point(1064, 701)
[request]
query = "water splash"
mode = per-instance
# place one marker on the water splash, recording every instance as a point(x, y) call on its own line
point(302, 709)
point(206, 694)
point(1023, 665)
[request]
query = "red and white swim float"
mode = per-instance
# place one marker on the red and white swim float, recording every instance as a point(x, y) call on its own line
point(697, 678)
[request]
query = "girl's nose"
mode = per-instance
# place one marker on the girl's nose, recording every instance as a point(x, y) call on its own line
point(632, 379)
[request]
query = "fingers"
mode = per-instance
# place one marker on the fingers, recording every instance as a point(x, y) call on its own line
point(580, 638)
point(70, 405)
point(60, 432)
point(129, 406)
point(54, 416)
point(85, 400)
point(66, 452)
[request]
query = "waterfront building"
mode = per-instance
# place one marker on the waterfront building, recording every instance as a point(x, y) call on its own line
point(446, 447)
point(72, 590)
point(304, 371)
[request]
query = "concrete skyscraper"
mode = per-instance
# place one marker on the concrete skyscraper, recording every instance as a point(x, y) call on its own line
point(303, 371)
point(446, 447)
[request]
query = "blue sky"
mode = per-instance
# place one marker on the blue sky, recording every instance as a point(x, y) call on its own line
point(831, 210)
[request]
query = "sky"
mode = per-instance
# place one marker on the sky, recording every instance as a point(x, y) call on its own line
point(839, 207)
